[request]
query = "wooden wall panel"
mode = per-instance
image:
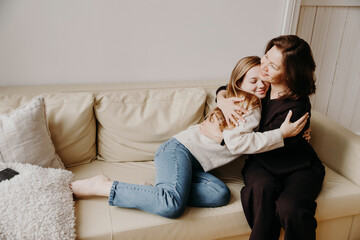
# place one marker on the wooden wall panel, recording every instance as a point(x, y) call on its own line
point(334, 35)
point(319, 35)
point(326, 42)
point(305, 28)
point(344, 101)
point(306, 22)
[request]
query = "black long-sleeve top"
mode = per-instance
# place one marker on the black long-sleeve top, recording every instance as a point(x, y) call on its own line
point(297, 153)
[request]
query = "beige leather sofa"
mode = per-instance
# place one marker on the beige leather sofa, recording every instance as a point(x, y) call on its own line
point(115, 129)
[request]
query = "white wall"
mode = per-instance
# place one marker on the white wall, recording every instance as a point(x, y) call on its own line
point(89, 41)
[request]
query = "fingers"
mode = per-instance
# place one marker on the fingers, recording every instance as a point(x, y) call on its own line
point(308, 131)
point(237, 99)
point(307, 136)
point(301, 126)
point(290, 129)
point(215, 120)
point(303, 118)
point(288, 116)
point(298, 123)
point(301, 122)
point(233, 120)
point(228, 120)
point(235, 116)
point(209, 121)
point(241, 109)
point(241, 118)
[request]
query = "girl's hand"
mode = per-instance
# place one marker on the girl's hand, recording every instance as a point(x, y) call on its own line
point(210, 128)
point(307, 135)
point(229, 108)
point(290, 129)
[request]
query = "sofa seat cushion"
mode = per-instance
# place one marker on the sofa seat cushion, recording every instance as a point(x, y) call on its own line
point(338, 199)
point(104, 221)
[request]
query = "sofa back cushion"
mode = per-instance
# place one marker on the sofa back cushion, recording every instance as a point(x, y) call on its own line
point(71, 123)
point(133, 123)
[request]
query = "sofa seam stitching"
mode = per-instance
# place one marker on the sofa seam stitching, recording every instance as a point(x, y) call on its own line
point(108, 208)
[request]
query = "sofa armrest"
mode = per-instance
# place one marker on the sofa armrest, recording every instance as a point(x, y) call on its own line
point(337, 147)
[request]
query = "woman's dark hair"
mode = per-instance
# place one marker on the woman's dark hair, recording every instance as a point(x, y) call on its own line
point(299, 65)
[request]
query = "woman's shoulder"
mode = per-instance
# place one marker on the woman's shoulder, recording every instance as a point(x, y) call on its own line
point(298, 103)
point(302, 103)
point(281, 107)
point(298, 107)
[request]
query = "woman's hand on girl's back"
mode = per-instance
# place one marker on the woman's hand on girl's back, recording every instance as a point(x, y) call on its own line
point(230, 109)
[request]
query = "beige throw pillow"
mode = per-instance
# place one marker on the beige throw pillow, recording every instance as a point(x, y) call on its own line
point(25, 138)
point(71, 120)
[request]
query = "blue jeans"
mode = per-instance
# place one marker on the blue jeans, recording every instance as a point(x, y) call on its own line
point(180, 181)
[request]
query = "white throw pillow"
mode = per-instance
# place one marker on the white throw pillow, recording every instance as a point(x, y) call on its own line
point(25, 137)
point(37, 204)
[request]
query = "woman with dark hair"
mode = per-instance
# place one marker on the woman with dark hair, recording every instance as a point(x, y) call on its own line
point(281, 185)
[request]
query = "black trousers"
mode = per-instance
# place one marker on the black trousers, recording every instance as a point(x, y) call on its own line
point(271, 201)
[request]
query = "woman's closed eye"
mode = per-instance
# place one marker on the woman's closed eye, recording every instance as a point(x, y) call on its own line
point(272, 64)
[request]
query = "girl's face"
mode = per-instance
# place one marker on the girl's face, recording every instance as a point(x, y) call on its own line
point(252, 83)
point(271, 66)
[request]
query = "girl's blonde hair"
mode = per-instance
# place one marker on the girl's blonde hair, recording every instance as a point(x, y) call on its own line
point(233, 89)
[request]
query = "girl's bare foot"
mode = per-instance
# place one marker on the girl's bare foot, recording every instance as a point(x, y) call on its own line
point(99, 185)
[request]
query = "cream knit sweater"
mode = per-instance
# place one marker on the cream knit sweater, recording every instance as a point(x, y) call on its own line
point(243, 139)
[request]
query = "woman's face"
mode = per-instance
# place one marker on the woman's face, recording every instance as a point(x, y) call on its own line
point(252, 83)
point(271, 66)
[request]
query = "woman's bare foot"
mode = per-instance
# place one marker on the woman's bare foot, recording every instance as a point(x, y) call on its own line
point(99, 185)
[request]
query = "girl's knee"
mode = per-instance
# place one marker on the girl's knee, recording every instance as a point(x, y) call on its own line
point(171, 211)
point(225, 195)
point(171, 205)
point(221, 196)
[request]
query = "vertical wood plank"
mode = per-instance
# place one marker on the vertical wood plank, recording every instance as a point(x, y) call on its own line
point(354, 18)
point(306, 23)
point(344, 105)
point(330, 47)
point(306, 26)
point(318, 40)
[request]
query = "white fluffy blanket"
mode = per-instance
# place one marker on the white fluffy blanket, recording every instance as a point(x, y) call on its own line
point(36, 204)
